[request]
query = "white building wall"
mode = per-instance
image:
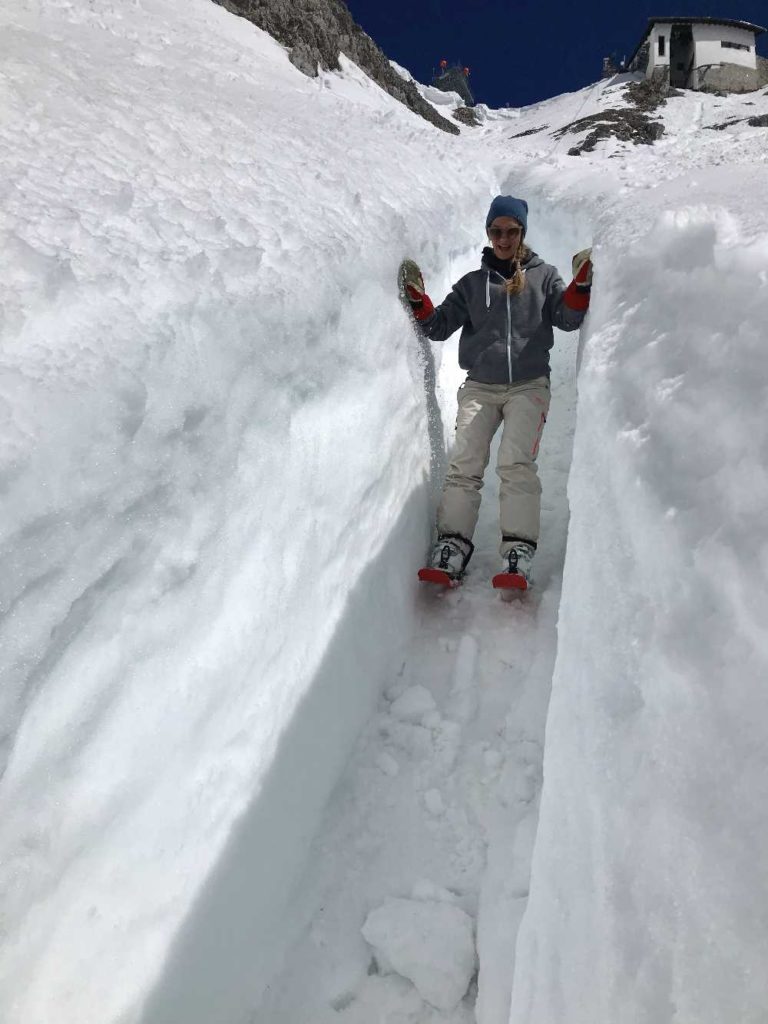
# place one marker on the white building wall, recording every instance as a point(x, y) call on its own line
point(707, 39)
point(655, 60)
point(708, 49)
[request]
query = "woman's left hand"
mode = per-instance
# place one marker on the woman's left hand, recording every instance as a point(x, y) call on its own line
point(577, 294)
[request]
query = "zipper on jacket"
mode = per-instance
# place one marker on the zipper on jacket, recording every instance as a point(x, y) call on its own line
point(509, 338)
point(509, 315)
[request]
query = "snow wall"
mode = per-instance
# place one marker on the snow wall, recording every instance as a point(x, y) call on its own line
point(215, 485)
point(649, 890)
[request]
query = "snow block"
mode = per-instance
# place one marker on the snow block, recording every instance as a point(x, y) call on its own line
point(413, 704)
point(430, 943)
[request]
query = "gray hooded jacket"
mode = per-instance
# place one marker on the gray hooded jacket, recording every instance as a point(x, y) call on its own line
point(505, 338)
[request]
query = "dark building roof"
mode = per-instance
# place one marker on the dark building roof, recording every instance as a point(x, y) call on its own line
point(731, 22)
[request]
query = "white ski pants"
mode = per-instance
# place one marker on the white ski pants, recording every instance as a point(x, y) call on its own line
point(522, 408)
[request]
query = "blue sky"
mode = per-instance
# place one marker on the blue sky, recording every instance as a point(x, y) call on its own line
point(521, 51)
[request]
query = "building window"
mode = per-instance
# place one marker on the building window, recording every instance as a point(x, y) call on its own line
point(662, 45)
point(734, 46)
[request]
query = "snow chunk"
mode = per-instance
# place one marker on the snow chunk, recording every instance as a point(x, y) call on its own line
point(433, 801)
point(413, 704)
point(404, 73)
point(427, 890)
point(387, 764)
point(430, 943)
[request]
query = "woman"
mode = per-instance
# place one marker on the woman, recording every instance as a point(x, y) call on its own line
point(506, 310)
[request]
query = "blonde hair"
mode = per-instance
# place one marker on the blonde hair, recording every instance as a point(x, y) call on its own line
point(516, 283)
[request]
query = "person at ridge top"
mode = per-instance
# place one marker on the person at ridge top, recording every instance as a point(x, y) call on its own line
point(506, 310)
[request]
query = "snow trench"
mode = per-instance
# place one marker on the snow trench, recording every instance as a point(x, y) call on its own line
point(438, 803)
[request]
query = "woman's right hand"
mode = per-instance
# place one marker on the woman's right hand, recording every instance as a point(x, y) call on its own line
point(421, 304)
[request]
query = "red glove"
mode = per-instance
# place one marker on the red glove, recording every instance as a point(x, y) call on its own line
point(421, 304)
point(576, 295)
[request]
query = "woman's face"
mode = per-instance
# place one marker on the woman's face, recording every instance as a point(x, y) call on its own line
point(505, 235)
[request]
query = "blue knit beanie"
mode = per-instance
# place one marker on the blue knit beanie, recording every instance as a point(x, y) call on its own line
point(508, 206)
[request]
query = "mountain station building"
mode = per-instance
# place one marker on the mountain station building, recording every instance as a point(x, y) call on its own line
point(454, 79)
point(701, 53)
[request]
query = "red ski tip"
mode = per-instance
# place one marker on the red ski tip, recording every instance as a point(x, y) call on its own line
point(509, 581)
point(439, 577)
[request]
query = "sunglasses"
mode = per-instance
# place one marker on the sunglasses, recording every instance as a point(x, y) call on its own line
point(497, 233)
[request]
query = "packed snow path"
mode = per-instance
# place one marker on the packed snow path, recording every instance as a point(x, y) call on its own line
point(439, 801)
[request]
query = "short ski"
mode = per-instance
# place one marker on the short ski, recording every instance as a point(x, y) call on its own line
point(439, 577)
point(509, 581)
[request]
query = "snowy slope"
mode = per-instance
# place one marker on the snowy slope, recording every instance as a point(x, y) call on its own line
point(216, 488)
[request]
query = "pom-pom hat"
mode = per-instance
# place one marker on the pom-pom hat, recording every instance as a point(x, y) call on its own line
point(508, 206)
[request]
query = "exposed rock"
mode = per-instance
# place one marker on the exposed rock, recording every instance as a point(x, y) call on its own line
point(467, 116)
point(629, 124)
point(617, 122)
point(531, 131)
point(758, 121)
point(316, 31)
point(723, 125)
point(648, 95)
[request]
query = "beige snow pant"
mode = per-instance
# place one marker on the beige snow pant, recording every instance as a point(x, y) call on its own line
point(522, 408)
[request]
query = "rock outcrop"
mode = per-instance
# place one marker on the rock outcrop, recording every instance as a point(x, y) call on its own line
point(315, 32)
point(630, 124)
point(467, 116)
